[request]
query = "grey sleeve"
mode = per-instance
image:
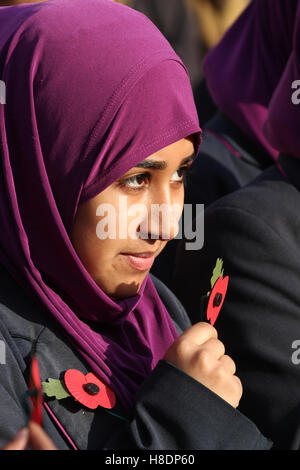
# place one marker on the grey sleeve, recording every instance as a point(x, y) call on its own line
point(175, 412)
point(12, 386)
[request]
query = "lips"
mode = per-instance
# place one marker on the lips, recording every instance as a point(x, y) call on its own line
point(139, 261)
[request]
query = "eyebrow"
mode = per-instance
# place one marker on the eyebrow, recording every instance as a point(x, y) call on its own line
point(161, 165)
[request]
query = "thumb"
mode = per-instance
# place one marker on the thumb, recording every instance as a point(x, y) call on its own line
point(38, 439)
point(19, 442)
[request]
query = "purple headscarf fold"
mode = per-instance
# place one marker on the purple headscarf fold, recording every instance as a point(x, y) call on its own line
point(243, 70)
point(282, 124)
point(92, 89)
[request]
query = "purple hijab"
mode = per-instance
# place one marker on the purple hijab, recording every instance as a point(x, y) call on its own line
point(283, 122)
point(243, 70)
point(92, 89)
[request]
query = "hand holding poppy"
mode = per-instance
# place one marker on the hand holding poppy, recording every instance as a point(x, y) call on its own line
point(200, 354)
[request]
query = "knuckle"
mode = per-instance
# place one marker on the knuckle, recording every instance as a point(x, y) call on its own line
point(207, 329)
point(183, 348)
point(230, 362)
point(203, 358)
point(220, 345)
point(211, 330)
point(220, 373)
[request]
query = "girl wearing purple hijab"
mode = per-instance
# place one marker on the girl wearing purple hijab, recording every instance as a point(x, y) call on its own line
point(99, 112)
point(256, 232)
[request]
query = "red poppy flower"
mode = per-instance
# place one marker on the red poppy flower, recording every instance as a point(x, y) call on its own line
point(216, 298)
point(89, 390)
point(35, 393)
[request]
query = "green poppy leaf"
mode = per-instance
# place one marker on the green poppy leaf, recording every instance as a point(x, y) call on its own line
point(217, 272)
point(55, 388)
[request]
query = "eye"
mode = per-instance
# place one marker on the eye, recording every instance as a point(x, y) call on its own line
point(136, 181)
point(179, 175)
point(142, 180)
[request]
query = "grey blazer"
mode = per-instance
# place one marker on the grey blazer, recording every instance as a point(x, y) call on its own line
point(172, 410)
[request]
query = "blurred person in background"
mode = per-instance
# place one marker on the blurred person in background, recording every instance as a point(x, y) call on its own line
point(242, 72)
point(255, 230)
point(215, 17)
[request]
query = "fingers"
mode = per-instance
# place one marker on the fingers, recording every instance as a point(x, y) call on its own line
point(19, 442)
point(200, 354)
point(238, 391)
point(200, 333)
point(228, 364)
point(214, 348)
point(38, 439)
point(33, 436)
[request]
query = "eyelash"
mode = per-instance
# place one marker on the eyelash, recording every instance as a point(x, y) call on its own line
point(126, 182)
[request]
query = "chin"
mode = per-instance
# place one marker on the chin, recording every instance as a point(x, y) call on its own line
point(128, 286)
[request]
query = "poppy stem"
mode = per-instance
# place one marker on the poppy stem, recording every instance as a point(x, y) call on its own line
point(117, 416)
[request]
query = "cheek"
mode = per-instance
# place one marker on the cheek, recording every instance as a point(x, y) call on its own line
point(92, 251)
point(101, 258)
point(118, 225)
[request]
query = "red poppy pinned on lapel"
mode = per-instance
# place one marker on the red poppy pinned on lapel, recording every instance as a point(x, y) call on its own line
point(214, 299)
point(89, 390)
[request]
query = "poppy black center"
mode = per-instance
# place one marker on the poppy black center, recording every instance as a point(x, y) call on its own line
point(91, 389)
point(217, 300)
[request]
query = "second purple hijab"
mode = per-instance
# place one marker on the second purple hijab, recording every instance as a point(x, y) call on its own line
point(243, 70)
point(282, 124)
point(92, 88)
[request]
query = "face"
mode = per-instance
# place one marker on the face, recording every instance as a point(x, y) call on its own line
point(119, 263)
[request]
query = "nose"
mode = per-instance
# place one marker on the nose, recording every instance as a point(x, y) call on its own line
point(163, 213)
